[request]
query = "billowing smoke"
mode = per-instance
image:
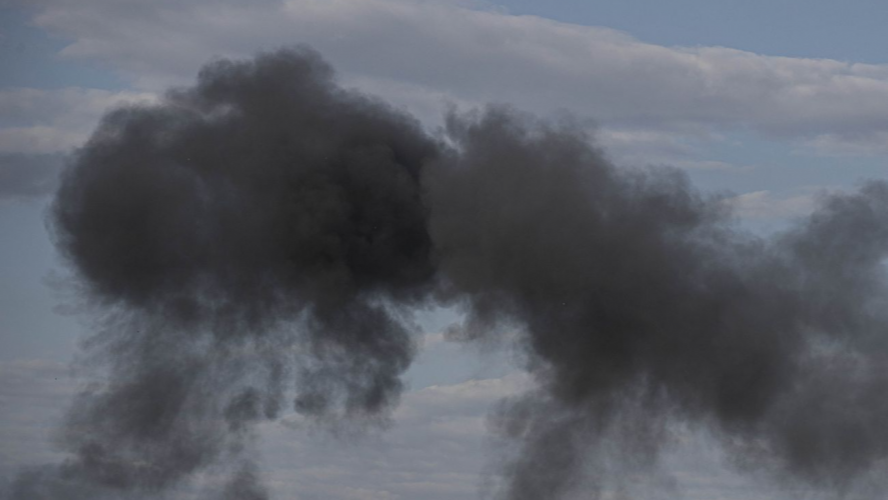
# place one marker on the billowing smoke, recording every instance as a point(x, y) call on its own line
point(260, 241)
point(261, 227)
point(643, 305)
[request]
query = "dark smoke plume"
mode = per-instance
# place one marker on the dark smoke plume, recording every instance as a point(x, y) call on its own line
point(263, 226)
point(641, 303)
point(267, 233)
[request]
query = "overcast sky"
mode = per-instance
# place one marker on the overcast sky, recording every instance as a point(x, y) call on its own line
point(775, 102)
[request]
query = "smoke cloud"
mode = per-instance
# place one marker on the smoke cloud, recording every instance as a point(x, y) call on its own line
point(642, 305)
point(261, 240)
point(261, 227)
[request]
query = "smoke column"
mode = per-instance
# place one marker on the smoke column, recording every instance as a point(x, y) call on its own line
point(262, 238)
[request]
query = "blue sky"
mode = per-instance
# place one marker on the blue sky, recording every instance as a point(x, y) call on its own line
point(773, 101)
point(30, 58)
point(848, 31)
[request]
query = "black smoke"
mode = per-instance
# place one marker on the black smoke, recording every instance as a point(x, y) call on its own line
point(261, 240)
point(642, 304)
point(261, 227)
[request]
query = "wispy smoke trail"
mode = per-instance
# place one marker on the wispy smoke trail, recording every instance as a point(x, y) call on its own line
point(267, 231)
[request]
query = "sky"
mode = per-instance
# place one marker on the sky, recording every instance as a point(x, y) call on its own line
point(770, 104)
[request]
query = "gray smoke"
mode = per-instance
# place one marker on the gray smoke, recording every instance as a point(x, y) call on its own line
point(267, 233)
point(642, 304)
point(264, 226)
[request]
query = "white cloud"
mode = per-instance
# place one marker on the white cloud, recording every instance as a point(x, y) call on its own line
point(52, 121)
point(867, 143)
point(766, 205)
point(435, 49)
point(640, 146)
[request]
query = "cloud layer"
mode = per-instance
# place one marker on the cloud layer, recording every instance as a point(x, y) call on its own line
point(37, 121)
point(474, 55)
